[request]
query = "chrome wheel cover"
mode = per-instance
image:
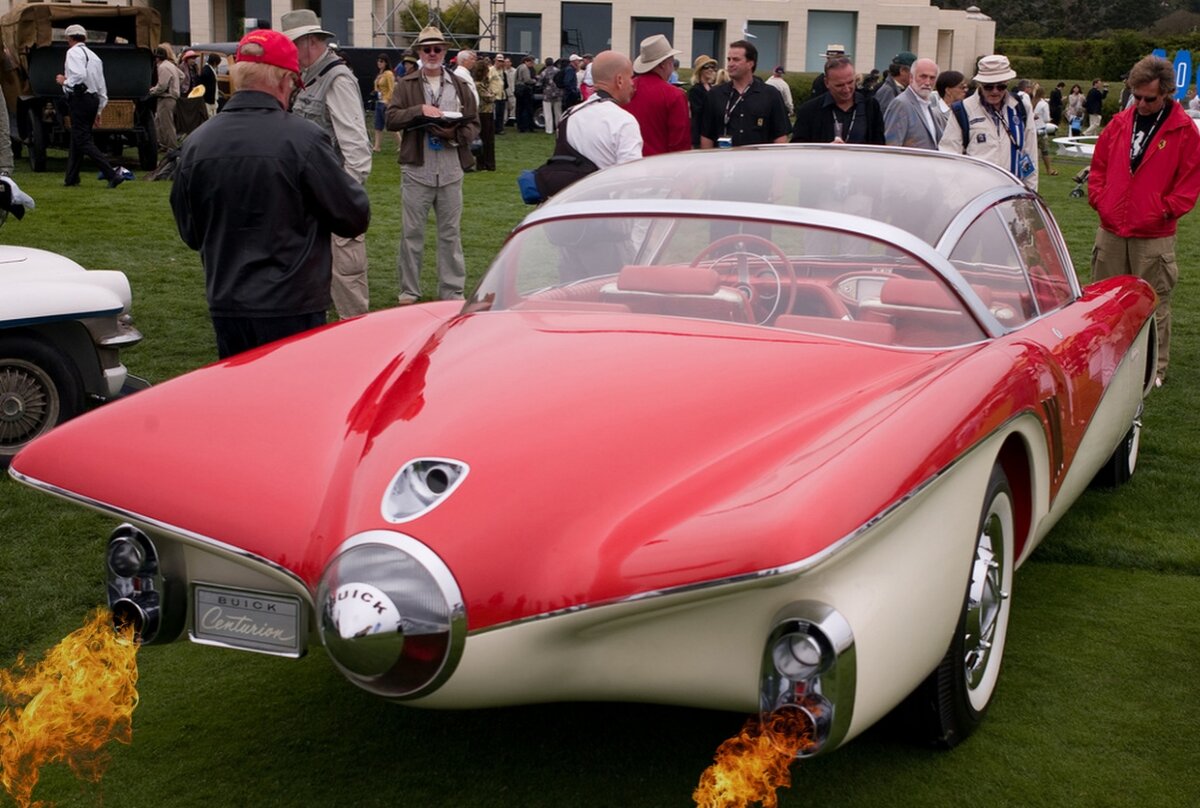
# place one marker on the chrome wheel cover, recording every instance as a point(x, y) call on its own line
point(29, 402)
point(987, 606)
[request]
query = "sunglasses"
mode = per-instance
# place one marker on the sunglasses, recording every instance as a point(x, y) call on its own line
point(1149, 99)
point(993, 87)
point(432, 49)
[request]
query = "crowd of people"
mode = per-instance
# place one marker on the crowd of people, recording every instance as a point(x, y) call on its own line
point(605, 110)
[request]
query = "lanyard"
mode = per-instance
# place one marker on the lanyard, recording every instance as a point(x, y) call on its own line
point(732, 105)
point(1137, 144)
point(429, 90)
point(837, 123)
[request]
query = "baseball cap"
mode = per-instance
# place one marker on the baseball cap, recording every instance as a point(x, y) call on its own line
point(779, 70)
point(269, 47)
point(75, 30)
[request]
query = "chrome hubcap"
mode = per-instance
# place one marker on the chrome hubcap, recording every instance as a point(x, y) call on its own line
point(26, 402)
point(984, 600)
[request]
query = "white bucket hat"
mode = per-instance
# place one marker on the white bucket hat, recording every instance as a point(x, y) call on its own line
point(994, 69)
point(653, 51)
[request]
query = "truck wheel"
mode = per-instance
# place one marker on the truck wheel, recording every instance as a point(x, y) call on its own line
point(37, 142)
point(39, 389)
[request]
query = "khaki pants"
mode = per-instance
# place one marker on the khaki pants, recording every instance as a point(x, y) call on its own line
point(349, 287)
point(1093, 125)
point(164, 123)
point(1152, 260)
point(447, 202)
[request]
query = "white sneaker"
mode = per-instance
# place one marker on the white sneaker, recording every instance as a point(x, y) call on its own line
point(1158, 381)
point(407, 300)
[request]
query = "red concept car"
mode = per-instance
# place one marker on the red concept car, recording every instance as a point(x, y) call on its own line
point(738, 430)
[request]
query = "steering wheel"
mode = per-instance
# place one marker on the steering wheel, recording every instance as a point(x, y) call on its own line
point(754, 274)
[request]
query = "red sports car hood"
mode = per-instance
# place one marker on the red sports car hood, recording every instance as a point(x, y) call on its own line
point(604, 461)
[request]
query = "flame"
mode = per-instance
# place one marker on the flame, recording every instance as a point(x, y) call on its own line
point(750, 766)
point(72, 703)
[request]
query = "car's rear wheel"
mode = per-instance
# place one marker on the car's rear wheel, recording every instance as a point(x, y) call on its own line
point(39, 389)
point(1123, 463)
point(954, 699)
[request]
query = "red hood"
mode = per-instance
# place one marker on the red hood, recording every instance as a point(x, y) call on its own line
point(603, 461)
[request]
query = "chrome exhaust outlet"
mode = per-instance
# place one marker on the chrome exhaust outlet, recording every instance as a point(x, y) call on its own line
point(138, 592)
point(809, 665)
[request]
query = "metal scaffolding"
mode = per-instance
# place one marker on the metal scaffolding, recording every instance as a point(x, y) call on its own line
point(400, 25)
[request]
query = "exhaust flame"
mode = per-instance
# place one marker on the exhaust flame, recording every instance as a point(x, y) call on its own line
point(72, 703)
point(750, 766)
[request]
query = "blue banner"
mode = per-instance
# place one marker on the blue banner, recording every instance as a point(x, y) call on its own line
point(1183, 73)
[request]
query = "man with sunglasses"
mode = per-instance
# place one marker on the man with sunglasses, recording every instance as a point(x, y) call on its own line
point(331, 99)
point(258, 191)
point(437, 114)
point(1145, 175)
point(994, 124)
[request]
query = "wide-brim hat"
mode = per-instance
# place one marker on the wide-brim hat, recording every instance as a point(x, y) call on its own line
point(703, 61)
point(430, 35)
point(834, 49)
point(654, 50)
point(302, 22)
point(994, 69)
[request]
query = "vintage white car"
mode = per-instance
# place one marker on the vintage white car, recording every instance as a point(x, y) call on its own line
point(62, 328)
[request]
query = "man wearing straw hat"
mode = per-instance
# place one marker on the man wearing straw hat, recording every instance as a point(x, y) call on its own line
point(438, 116)
point(331, 100)
point(998, 124)
point(661, 110)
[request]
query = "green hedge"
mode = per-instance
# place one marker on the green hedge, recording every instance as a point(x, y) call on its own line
point(1107, 58)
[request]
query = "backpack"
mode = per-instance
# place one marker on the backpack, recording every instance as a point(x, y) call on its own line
point(564, 167)
point(960, 115)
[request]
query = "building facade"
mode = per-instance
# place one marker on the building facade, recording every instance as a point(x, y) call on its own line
point(792, 33)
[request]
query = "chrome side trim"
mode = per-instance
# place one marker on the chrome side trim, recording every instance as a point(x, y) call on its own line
point(185, 536)
point(769, 575)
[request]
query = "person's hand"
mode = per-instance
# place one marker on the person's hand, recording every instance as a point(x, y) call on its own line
point(60, 78)
point(430, 111)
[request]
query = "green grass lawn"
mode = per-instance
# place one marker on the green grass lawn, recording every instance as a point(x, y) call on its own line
point(1097, 702)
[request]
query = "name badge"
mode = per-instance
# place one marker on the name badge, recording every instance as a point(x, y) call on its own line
point(760, 121)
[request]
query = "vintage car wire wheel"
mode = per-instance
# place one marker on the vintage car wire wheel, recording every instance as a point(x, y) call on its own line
point(955, 697)
point(38, 390)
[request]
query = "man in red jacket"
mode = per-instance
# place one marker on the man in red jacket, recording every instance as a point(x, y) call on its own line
point(661, 109)
point(1145, 175)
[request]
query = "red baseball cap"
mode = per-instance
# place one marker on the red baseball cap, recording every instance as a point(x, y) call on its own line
point(276, 49)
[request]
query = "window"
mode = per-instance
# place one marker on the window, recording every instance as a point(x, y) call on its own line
point(889, 41)
point(649, 26)
point(827, 28)
point(769, 41)
point(586, 27)
point(523, 33)
point(707, 40)
point(1011, 260)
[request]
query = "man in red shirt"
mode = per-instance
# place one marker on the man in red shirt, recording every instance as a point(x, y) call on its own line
point(1145, 175)
point(661, 110)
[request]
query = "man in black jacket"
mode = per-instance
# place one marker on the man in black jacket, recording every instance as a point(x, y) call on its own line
point(1093, 105)
point(843, 114)
point(267, 260)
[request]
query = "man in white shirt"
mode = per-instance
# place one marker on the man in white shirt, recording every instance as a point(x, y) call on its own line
point(602, 131)
point(779, 83)
point(87, 95)
point(466, 62)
